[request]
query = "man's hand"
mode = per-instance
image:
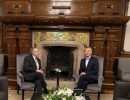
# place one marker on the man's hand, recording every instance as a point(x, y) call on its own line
point(82, 73)
point(40, 71)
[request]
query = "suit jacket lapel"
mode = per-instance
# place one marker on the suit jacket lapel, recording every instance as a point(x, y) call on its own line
point(39, 63)
point(33, 61)
point(84, 62)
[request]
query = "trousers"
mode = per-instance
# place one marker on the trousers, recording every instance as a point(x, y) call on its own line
point(39, 83)
point(84, 80)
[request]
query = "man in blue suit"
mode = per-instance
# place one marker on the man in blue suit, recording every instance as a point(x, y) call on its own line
point(32, 71)
point(88, 70)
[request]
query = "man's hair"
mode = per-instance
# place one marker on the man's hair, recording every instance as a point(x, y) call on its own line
point(32, 49)
point(89, 48)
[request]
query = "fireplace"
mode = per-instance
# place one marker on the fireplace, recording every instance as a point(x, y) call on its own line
point(73, 52)
point(60, 57)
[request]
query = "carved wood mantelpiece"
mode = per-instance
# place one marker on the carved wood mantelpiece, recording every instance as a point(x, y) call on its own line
point(103, 19)
point(69, 20)
point(16, 19)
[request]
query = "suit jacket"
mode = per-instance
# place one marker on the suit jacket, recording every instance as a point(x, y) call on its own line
point(29, 67)
point(92, 67)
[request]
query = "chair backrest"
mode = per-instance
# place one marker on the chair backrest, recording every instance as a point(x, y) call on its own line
point(123, 63)
point(100, 71)
point(1, 64)
point(19, 62)
point(123, 71)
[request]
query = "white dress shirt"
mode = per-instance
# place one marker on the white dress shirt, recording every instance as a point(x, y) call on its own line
point(37, 64)
point(86, 61)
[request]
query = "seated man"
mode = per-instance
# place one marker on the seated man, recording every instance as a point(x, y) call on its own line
point(32, 71)
point(88, 70)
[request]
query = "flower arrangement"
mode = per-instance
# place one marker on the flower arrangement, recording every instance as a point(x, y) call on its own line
point(58, 70)
point(62, 93)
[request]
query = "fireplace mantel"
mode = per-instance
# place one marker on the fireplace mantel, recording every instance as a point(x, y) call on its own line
point(55, 21)
point(78, 52)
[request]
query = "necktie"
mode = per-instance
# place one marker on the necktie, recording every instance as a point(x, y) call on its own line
point(86, 62)
point(37, 63)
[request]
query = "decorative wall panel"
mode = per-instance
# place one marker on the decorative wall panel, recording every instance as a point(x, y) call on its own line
point(111, 7)
point(82, 37)
point(46, 7)
point(17, 6)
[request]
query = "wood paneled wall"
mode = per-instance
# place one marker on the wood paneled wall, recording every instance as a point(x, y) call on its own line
point(104, 19)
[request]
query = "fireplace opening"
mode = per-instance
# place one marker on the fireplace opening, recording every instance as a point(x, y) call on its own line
point(74, 48)
point(60, 57)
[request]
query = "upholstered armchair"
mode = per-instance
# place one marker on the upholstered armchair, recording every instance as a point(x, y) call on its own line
point(1, 64)
point(22, 85)
point(122, 84)
point(121, 90)
point(3, 88)
point(96, 88)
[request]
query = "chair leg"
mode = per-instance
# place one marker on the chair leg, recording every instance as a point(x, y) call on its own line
point(18, 89)
point(98, 96)
point(34, 89)
point(22, 94)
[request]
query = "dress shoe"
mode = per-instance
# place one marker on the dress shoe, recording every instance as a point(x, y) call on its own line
point(36, 96)
point(87, 98)
point(40, 92)
point(46, 91)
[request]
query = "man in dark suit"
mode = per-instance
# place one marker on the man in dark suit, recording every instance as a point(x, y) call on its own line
point(32, 71)
point(88, 70)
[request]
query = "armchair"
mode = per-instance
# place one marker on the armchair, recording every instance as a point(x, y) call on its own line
point(20, 79)
point(3, 88)
point(121, 91)
point(96, 88)
point(122, 84)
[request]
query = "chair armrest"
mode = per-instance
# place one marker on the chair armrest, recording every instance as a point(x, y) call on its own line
point(3, 84)
point(76, 78)
point(100, 80)
point(1, 69)
point(20, 76)
point(119, 74)
point(121, 90)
